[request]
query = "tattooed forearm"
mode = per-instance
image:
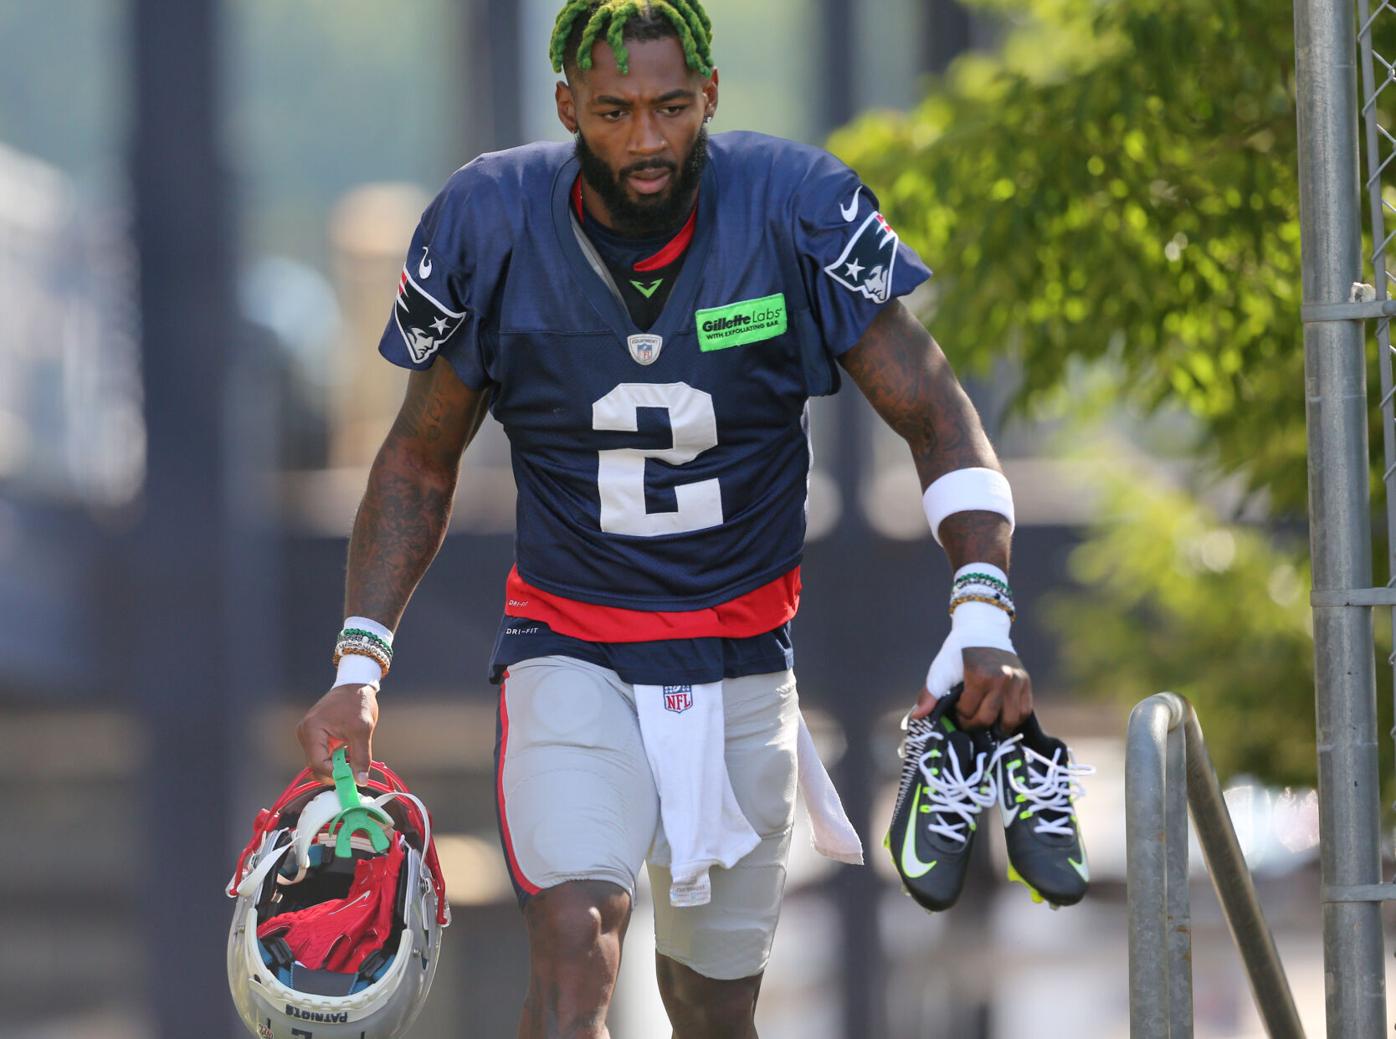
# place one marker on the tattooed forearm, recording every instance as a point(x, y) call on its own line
point(402, 520)
point(904, 375)
point(397, 533)
point(976, 537)
point(907, 379)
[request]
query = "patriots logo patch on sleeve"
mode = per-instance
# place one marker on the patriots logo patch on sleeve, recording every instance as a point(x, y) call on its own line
point(868, 259)
point(424, 322)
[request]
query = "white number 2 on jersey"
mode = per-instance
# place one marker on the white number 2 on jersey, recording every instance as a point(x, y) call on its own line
point(621, 476)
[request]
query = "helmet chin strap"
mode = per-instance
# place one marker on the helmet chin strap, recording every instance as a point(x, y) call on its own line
point(380, 801)
point(253, 880)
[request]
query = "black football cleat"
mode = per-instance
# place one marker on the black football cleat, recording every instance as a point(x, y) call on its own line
point(1037, 786)
point(947, 781)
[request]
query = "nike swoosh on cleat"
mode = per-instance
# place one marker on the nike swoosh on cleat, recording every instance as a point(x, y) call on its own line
point(1081, 868)
point(1008, 809)
point(912, 866)
point(1007, 812)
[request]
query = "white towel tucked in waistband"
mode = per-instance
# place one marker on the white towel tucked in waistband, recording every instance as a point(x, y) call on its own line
point(833, 835)
point(682, 727)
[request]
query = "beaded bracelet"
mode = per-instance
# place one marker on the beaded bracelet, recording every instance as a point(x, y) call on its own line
point(354, 643)
point(360, 646)
point(1003, 604)
point(992, 582)
point(979, 588)
point(371, 637)
point(979, 594)
point(360, 651)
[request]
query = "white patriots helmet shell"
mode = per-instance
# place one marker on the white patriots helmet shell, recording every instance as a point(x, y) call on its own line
point(291, 845)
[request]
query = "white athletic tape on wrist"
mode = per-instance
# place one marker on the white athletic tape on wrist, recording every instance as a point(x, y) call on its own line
point(967, 490)
point(973, 625)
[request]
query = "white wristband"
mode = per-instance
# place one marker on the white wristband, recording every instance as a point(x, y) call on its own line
point(357, 669)
point(369, 624)
point(967, 490)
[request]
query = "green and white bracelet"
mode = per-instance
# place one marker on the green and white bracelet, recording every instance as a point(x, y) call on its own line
point(363, 653)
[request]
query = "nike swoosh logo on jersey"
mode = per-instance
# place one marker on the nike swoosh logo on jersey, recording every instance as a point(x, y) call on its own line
point(1081, 868)
point(851, 210)
point(424, 268)
point(912, 866)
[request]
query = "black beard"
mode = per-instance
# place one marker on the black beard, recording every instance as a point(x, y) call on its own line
point(656, 213)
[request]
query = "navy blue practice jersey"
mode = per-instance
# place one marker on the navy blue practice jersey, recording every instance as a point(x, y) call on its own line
point(658, 469)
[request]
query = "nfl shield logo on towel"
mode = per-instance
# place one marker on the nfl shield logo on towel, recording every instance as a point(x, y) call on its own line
point(678, 698)
point(645, 348)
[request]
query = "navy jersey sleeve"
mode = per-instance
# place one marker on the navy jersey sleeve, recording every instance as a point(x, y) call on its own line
point(449, 282)
point(851, 260)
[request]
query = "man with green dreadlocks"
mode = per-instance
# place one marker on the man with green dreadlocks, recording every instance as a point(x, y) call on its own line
point(647, 312)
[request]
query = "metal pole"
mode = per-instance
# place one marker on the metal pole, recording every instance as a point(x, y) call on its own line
point(1166, 756)
point(1179, 916)
point(506, 65)
point(189, 567)
point(1339, 527)
point(1147, 854)
point(858, 891)
point(1381, 279)
point(491, 114)
point(947, 34)
point(1235, 892)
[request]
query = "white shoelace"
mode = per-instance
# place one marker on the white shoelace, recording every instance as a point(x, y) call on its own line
point(1049, 788)
point(952, 793)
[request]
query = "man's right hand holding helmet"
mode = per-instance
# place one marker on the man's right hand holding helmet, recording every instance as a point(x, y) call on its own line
point(346, 714)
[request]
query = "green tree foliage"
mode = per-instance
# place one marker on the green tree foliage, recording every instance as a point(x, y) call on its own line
point(1181, 600)
point(1118, 187)
point(1173, 587)
point(1119, 183)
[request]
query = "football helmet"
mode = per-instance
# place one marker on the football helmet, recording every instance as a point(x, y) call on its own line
point(339, 911)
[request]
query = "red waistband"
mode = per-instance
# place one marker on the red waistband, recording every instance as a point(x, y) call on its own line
point(755, 613)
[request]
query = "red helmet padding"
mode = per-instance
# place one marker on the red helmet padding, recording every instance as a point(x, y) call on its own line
point(304, 785)
point(341, 933)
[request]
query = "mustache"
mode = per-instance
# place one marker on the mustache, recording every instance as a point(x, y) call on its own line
point(650, 164)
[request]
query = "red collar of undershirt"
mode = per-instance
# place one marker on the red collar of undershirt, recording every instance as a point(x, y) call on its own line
point(667, 255)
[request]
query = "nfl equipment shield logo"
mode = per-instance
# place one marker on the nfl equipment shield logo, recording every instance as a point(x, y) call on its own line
point(645, 348)
point(678, 698)
point(867, 261)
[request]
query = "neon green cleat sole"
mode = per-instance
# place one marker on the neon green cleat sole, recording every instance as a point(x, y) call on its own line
point(1015, 877)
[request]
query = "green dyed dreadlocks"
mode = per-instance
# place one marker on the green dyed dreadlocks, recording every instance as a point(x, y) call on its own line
point(690, 22)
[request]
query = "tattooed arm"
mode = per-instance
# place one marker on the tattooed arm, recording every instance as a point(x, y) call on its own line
point(402, 519)
point(906, 378)
point(397, 533)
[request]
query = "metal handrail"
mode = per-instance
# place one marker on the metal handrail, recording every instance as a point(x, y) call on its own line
point(1167, 769)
